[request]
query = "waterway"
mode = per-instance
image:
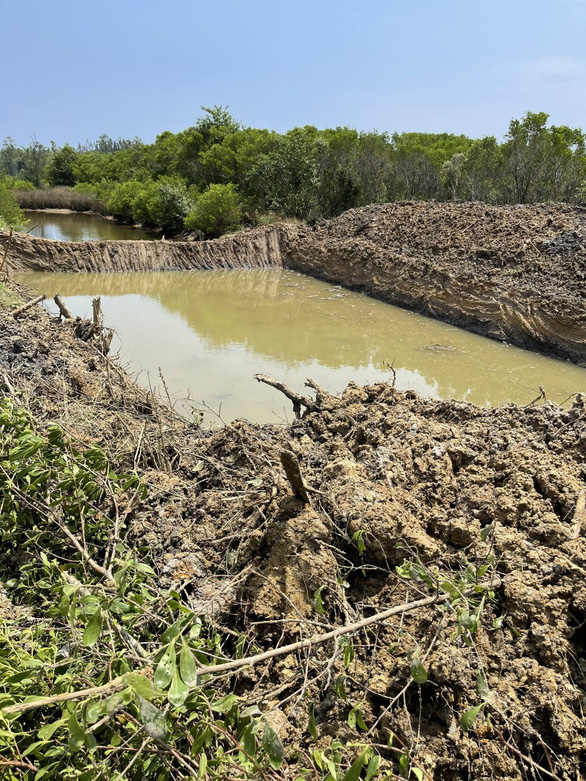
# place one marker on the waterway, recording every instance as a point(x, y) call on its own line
point(209, 332)
point(78, 226)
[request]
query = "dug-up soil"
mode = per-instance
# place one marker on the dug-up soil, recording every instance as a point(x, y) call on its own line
point(396, 491)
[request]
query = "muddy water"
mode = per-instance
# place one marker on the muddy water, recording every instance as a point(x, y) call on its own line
point(74, 226)
point(211, 331)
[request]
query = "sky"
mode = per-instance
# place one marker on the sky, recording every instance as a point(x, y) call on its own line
point(74, 70)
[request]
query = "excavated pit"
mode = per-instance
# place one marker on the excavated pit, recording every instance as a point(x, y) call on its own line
point(515, 274)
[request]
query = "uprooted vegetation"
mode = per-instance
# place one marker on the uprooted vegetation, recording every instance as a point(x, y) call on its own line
point(391, 587)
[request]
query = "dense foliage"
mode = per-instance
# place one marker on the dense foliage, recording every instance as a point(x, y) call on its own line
point(218, 174)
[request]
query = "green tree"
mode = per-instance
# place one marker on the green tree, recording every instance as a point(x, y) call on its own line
point(543, 163)
point(10, 158)
point(216, 211)
point(35, 158)
point(60, 170)
point(11, 215)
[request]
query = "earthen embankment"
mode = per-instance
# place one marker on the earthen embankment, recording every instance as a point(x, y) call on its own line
point(515, 274)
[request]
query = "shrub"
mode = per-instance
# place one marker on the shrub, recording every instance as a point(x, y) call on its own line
point(11, 215)
point(216, 211)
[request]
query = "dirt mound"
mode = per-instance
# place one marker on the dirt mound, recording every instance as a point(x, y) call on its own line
point(387, 498)
point(514, 274)
point(404, 493)
point(522, 245)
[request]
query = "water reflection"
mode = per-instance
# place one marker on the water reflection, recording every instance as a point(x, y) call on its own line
point(74, 226)
point(210, 331)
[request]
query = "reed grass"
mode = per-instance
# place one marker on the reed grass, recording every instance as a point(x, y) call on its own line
point(57, 198)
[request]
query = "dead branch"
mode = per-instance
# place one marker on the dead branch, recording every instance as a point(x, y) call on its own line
point(531, 762)
point(297, 399)
point(119, 683)
point(311, 383)
point(98, 317)
point(116, 684)
point(28, 305)
point(293, 471)
point(377, 618)
point(18, 763)
point(65, 313)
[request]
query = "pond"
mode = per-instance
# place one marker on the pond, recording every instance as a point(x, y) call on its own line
point(209, 332)
point(63, 225)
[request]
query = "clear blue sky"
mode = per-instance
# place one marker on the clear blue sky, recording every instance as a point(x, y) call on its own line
point(74, 70)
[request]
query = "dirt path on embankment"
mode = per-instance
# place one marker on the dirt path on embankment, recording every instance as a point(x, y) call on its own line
point(512, 273)
point(401, 497)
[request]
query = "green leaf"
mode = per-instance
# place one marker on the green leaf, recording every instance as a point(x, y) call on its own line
point(482, 685)
point(353, 773)
point(153, 719)
point(417, 670)
point(450, 589)
point(76, 733)
point(172, 631)
point(141, 685)
point(248, 741)
point(271, 743)
point(178, 691)
point(48, 730)
point(340, 689)
point(225, 704)
point(372, 768)
point(348, 652)
point(415, 771)
point(318, 603)
point(355, 719)
point(92, 711)
point(93, 628)
point(165, 668)
point(312, 726)
point(469, 717)
point(187, 665)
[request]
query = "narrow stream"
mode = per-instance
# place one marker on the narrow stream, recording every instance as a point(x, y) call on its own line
point(209, 332)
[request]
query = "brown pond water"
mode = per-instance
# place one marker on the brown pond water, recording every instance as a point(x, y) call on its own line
point(76, 226)
point(210, 331)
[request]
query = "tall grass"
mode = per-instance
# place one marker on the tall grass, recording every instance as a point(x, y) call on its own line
point(57, 198)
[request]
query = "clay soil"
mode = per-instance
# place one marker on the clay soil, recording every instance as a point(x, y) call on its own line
point(402, 498)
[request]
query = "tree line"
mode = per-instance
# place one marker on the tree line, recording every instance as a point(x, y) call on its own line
point(217, 175)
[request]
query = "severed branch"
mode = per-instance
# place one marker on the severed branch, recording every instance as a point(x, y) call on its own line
point(377, 618)
point(311, 383)
point(65, 313)
point(28, 305)
point(297, 399)
point(293, 471)
point(98, 317)
point(116, 684)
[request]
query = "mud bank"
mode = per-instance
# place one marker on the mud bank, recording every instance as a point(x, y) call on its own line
point(249, 249)
point(515, 274)
point(401, 498)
